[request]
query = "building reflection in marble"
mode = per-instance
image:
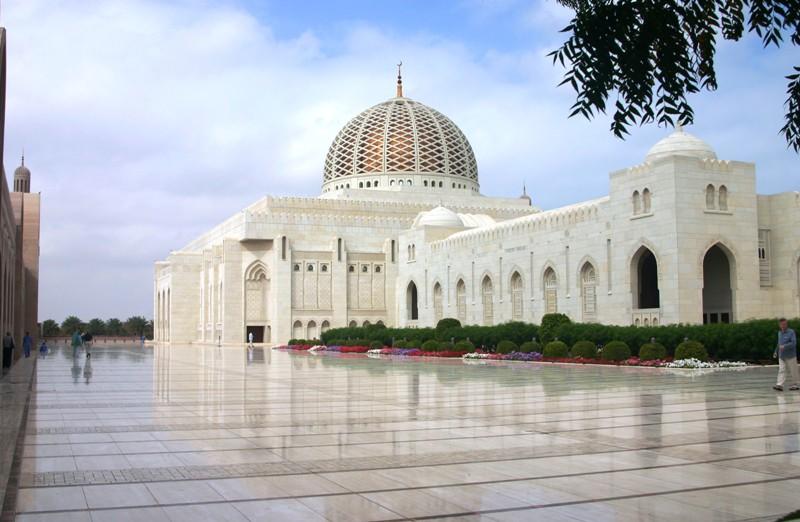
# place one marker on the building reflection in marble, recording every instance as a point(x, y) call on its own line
point(177, 432)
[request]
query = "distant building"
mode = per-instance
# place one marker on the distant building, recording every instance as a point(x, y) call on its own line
point(19, 238)
point(401, 235)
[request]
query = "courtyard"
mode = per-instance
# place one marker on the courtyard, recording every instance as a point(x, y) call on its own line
point(185, 432)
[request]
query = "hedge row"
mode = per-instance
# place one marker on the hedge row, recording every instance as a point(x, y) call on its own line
point(746, 341)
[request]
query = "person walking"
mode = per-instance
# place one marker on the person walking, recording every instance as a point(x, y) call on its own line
point(27, 344)
point(250, 339)
point(786, 352)
point(43, 349)
point(76, 343)
point(8, 350)
point(86, 339)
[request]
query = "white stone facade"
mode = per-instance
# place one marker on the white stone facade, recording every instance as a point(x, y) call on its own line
point(682, 237)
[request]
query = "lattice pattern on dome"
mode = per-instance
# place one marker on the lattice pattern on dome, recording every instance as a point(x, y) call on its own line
point(400, 135)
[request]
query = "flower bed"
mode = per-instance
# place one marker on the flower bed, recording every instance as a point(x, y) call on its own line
point(690, 363)
point(347, 349)
point(512, 356)
point(403, 352)
point(296, 347)
point(696, 363)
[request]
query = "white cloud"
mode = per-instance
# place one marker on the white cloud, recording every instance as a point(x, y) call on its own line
point(147, 123)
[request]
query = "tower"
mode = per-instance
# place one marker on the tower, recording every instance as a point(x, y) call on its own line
point(22, 177)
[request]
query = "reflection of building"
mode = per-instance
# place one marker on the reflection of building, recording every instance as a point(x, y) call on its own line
point(19, 238)
point(402, 235)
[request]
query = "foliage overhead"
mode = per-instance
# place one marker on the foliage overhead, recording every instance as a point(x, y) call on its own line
point(646, 56)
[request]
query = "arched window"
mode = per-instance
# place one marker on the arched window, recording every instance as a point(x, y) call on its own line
point(717, 289)
point(637, 203)
point(550, 284)
point(710, 197)
point(368, 184)
point(412, 310)
point(360, 184)
point(487, 295)
point(312, 330)
point(646, 201)
point(644, 279)
point(352, 324)
point(723, 197)
point(324, 327)
point(441, 184)
point(409, 182)
point(375, 184)
point(516, 297)
point(409, 253)
point(461, 301)
point(438, 304)
point(297, 330)
point(391, 183)
point(589, 292)
point(425, 183)
point(366, 323)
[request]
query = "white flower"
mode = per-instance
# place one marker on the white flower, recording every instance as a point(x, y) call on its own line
point(475, 355)
point(696, 363)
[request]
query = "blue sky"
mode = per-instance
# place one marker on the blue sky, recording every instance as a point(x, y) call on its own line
point(145, 123)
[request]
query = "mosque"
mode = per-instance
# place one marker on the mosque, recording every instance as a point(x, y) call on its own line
point(401, 235)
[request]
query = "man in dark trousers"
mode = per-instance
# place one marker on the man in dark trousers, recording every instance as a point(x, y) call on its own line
point(8, 350)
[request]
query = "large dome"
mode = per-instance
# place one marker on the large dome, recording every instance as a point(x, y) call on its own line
point(400, 143)
point(681, 143)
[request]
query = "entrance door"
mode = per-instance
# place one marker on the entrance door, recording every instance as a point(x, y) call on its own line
point(258, 333)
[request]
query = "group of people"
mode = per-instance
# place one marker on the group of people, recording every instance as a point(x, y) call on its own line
point(27, 346)
point(81, 339)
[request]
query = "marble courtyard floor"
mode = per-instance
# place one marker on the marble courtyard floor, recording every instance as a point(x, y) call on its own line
point(205, 433)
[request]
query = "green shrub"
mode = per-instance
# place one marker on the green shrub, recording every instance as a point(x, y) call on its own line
point(550, 323)
point(413, 343)
point(530, 346)
point(400, 343)
point(585, 349)
point(430, 346)
point(746, 341)
point(556, 349)
point(691, 350)
point(615, 351)
point(465, 346)
point(506, 347)
point(447, 323)
point(652, 351)
point(376, 345)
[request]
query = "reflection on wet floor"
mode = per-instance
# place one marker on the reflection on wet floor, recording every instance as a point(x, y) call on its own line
point(231, 433)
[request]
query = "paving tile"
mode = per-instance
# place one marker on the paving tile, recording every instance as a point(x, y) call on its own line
point(50, 499)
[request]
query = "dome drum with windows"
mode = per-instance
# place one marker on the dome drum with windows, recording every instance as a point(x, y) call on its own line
point(401, 144)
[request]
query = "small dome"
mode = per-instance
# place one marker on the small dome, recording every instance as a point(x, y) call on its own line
point(22, 171)
point(681, 143)
point(439, 217)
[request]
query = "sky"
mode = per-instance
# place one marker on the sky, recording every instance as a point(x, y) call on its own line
point(145, 122)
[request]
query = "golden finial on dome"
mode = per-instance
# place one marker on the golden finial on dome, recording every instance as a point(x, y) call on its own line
point(399, 80)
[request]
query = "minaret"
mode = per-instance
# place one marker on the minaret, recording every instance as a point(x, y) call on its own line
point(399, 80)
point(525, 195)
point(22, 177)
